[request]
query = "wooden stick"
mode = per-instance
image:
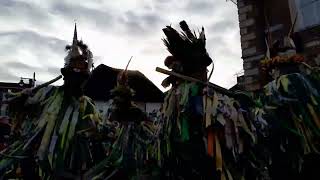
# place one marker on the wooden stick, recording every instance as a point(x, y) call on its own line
point(293, 25)
point(35, 89)
point(47, 83)
point(187, 78)
point(128, 63)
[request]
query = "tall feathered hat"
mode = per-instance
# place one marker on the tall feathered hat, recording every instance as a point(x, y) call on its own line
point(79, 57)
point(188, 50)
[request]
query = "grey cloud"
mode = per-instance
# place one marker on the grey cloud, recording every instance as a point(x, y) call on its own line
point(215, 43)
point(18, 65)
point(151, 20)
point(163, 1)
point(28, 69)
point(43, 48)
point(154, 48)
point(176, 6)
point(102, 19)
point(151, 51)
point(32, 40)
point(231, 54)
point(6, 76)
point(22, 11)
point(53, 70)
point(223, 26)
point(201, 6)
point(23, 69)
point(218, 40)
point(141, 24)
point(220, 50)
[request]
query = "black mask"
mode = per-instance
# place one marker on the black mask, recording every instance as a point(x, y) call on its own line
point(74, 82)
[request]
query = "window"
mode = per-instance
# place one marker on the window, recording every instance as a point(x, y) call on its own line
point(308, 13)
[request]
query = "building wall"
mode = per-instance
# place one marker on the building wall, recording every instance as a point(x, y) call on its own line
point(102, 107)
point(148, 107)
point(141, 105)
point(251, 24)
point(256, 18)
point(311, 44)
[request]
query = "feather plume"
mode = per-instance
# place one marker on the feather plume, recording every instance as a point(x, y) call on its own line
point(186, 47)
point(184, 26)
point(122, 79)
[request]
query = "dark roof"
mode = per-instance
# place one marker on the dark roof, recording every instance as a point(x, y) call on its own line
point(104, 79)
point(235, 87)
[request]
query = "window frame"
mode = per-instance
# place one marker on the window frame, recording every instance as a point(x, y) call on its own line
point(300, 26)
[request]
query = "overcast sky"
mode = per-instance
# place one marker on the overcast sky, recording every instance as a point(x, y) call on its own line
point(33, 34)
